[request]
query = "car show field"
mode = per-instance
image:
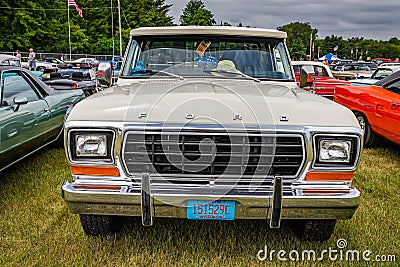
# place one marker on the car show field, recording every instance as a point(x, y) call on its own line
point(199, 133)
point(34, 219)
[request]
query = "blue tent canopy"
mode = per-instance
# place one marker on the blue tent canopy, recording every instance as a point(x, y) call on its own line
point(330, 57)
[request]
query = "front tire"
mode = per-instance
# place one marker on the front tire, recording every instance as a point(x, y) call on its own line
point(369, 136)
point(313, 230)
point(95, 225)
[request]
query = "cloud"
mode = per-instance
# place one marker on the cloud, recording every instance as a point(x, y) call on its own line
point(347, 18)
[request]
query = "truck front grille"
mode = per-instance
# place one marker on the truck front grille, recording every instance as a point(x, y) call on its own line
point(213, 154)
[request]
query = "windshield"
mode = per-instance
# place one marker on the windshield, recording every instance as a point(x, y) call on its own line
point(208, 56)
point(379, 74)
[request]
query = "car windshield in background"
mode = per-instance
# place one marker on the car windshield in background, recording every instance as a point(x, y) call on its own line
point(381, 73)
point(193, 56)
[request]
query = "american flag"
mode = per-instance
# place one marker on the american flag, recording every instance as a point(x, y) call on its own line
point(73, 3)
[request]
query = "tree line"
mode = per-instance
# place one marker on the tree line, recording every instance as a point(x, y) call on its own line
point(303, 39)
point(43, 25)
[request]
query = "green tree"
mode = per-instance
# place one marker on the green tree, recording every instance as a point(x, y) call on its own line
point(195, 13)
point(298, 39)
point(44, 25)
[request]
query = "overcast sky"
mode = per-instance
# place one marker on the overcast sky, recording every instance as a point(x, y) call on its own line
point(371, 19)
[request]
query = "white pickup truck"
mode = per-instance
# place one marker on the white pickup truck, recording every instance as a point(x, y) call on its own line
point(207, 123)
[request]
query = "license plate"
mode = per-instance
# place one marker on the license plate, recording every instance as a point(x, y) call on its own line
point(206, 210)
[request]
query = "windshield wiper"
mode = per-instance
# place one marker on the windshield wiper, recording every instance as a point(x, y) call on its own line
point(148, 71)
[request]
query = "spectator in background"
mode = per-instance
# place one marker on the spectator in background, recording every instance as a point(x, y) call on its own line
point(18, 54)
point(32, 59)
point(396, 60)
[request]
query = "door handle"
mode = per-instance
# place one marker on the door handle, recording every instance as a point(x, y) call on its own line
point(46, 110)
point(367, 105)
point(12, 132)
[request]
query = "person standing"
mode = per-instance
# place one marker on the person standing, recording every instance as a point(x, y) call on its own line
point(32, 59)
point(18, 55)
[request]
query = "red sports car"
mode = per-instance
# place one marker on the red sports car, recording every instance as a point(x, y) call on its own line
point(377, 107)
point(324, 84)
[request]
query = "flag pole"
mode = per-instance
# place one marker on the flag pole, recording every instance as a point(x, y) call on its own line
point(112, 28)
point(69, 33)
point(311, 44)
point(120, 28)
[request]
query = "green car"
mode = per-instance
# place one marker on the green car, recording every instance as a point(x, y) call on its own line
point(31, 114)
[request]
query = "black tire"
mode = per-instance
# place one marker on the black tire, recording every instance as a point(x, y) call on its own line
point(369, 136)
point(313, 230)
point(95, 225)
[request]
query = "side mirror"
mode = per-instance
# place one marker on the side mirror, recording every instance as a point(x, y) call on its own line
point(104, 74)
point(20, 100)
point(307, 76)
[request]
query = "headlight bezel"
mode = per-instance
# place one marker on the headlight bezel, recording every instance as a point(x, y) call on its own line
point(353, 140)
point(72, 146)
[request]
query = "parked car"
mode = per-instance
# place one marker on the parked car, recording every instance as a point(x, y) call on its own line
point(207, 123)
point(379, 74)
point(31, 114)
point(41, 66)
point(9, 60)
point(92, 61)
point(377, 107)
point(381, 60)
point(338, 73)
point(371, 65)
point(340, 62)
point(324, 83)
point(351, 71)
point(59, 63)
point(390, 64)
point(344, 61)
point(74, 77)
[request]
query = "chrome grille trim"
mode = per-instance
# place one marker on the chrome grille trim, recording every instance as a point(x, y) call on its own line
point(246, 153)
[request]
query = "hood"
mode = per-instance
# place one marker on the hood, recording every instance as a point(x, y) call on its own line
point(224, 102)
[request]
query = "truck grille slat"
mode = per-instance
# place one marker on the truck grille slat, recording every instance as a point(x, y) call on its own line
point(213, 154)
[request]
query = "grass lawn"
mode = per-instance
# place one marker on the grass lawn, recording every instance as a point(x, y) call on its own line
point(36, 228)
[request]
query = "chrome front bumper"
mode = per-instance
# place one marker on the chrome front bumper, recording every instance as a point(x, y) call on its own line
point(293, 203)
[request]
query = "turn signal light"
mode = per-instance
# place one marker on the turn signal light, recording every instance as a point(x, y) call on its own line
point(95, 170)
point(329, 176)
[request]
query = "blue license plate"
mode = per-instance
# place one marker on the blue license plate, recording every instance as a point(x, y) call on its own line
point(215, 210)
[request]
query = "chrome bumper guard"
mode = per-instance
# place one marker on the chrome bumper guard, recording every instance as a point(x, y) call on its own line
point(275, 204)
point(147, 201)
